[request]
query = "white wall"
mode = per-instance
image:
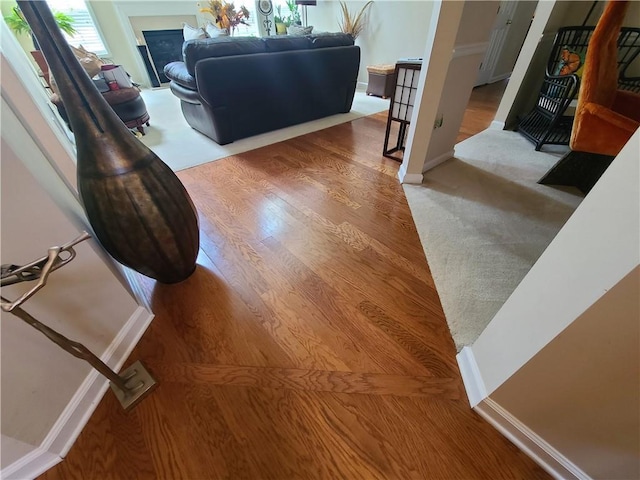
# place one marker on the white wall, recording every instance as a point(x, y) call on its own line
point(395, 29)
point(440, 43)
point(470, 48)
point(84, 301)
point(596, 248)
point(26, 94)
point(47, 394)
point(458, 39)
point(79, 301)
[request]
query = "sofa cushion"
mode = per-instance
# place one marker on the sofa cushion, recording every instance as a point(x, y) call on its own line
point(297, 30)
point(177, 71)
point(325, 40)
point(191, 33)
point(283, 43)
point(213, 31)
point(195, 50)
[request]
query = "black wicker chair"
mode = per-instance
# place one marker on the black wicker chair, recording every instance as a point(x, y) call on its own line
point(546, 123)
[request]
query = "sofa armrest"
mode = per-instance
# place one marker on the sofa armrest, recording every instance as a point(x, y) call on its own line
point(177, 72)
point(598, 129)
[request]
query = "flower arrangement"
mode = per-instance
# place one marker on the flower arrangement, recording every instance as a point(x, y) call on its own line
point(225, 14)
point(351, 23)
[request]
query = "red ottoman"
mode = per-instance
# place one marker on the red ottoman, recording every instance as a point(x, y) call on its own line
point(126, 102)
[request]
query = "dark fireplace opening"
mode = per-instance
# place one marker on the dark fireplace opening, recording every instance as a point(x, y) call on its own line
point(165, 46)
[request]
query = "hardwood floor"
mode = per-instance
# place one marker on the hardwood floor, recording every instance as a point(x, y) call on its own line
point(309, 343)
point(481, 109)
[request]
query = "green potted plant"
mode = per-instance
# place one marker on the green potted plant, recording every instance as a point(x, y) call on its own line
point(16, 22)
point(280, 21)
point(294, 13)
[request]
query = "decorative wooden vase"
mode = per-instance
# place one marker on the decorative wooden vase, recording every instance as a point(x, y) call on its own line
point(139, 210)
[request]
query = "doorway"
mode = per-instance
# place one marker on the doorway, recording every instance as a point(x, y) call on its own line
point(508, 32)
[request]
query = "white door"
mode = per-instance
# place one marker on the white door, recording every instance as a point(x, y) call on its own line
point(499, 32)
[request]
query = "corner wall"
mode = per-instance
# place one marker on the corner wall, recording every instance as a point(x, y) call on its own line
point(595, 249)
point(581, 392)
point(457, 42)
point(395, 29)
point(471, 45)
point(47, 394)
point(561, 355)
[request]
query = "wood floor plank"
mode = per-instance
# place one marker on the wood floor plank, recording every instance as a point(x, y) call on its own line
point(368, 219)
point(481, 109)
point(311, 380)
point(219, 216)
point(349, 318)
point(215, 326)
point(310, 342)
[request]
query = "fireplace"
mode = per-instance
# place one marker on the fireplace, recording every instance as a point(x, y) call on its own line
point(165, 46)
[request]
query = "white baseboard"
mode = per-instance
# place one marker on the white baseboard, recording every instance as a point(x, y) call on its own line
point(434, 162)
point(82, 405)
point(84, 402)
point(519, 434)
point(471, 377)
point(495, 125)
point(497, 78)
point(404, 177)
point(32, 465)
point(558, 466)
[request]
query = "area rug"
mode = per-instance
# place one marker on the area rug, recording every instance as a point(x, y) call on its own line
point(483, 222)
point(181, 147)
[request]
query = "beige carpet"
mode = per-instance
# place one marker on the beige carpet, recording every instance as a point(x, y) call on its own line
point(180, 147)
point(484, 221)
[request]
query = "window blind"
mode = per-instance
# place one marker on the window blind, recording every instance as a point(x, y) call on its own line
point(87, 33)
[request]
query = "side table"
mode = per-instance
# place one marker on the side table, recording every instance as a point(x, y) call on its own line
point(381, 80)
point(406, 75)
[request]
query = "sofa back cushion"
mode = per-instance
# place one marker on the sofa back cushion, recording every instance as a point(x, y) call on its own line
point(195, 50)
point(282, 43)
point(324, 40)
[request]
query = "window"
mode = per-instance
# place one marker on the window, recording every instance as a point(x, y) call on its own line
point(251, 29)
point(87, 33)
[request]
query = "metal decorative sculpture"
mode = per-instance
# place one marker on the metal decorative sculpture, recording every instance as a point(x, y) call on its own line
point(138, 208)
point(266, 8)
point(133, 384)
